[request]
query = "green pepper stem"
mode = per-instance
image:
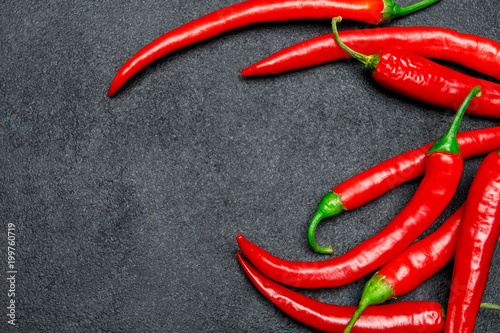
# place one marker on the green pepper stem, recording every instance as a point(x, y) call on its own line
point(489, 306)
point(355, 316)
point(448, 142)
point(392, 10)
point(377, 290)
point(310, 235)
point(330, 205)
point(370, 61)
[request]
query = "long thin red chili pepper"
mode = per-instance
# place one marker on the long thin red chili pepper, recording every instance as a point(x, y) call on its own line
point(442, 174)
point(411, 316)
point(419, 78)
point(399, 317)
point(256, 11)
point(477, 53)
point(416, 316)
point(377, 180)
point(410, 268)
point(479, 231)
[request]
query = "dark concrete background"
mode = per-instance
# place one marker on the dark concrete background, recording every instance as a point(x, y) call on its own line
point(126, 209)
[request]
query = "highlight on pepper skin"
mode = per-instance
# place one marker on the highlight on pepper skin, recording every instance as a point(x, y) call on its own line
point(475, 246)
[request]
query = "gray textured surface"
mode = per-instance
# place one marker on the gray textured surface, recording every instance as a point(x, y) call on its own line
point(126, 208)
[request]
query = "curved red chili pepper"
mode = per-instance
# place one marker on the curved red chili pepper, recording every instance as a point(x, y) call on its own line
point(479, 231)
point(442, 174)
point(377, 180)
point(256, 11)
point(416, 316)
point(410, 268)
point(477, 53)
point(419, 78)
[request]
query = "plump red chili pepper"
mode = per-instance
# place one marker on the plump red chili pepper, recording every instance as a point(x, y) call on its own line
point(377, 180)
point(410, 268)
point(477, 53)
point(419, 78)
point(442, 174)
point(416, 316)
point(256, 11)
point(479, 231)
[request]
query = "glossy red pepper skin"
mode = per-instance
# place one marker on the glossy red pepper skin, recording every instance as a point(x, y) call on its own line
point(419, 78)
point(479, 232)
point(418, 316)
point(477, 53)
point(423, 259)
point(410, 268)
point(256, 11)
point(381, 178)
point(438, 186)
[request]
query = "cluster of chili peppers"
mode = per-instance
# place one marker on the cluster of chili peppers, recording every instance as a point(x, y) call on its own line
point(472, 231)
point(398, 59)
point(257, 11)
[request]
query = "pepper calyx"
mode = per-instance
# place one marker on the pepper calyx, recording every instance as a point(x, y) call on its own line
point(330, 205)
point(448, 142)
point(377, 290)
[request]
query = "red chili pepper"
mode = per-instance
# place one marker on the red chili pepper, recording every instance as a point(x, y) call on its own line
point(477, 53)
point(256, 11)
point(410, 268)
point(479, 231)
point(377, 180)
point(417, 77)
point(416, 316)
point(442, 174)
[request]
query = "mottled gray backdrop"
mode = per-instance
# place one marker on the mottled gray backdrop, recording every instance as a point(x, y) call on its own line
point(125, 210)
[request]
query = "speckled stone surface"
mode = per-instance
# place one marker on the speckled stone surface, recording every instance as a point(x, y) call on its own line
point(126, 209)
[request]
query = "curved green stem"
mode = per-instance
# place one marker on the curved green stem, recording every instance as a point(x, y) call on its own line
point(330, 205)
point(370, 61)
point(310, 235)
point(448, 142)
point(489, 306)
point(392, 10)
